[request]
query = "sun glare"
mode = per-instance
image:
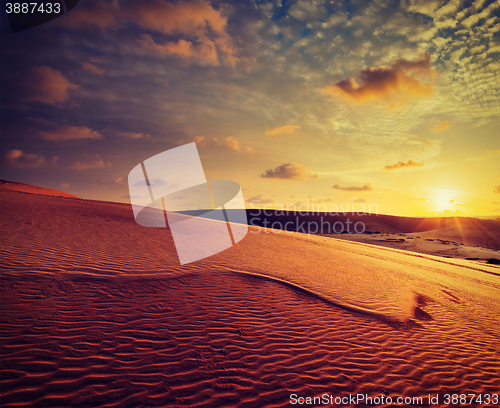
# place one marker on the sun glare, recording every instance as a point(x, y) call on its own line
point(444, 199)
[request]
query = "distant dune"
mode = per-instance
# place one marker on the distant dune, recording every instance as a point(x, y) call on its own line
point(96, 311)
point(28, 188)
point(465, 230)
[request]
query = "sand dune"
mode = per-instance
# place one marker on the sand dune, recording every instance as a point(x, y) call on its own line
point(431, 243)
point(29, 188)
point(483, 233)
point(97, 311)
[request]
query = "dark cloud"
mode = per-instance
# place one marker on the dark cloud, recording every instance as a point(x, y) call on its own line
point(93, 68)
point(290, 171)
point(16, 158)
point(200, 29)
point(95, 162)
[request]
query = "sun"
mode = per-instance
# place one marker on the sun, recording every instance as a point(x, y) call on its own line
point(444, 199)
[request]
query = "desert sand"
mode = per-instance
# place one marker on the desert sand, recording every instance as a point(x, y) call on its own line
point(96, 311)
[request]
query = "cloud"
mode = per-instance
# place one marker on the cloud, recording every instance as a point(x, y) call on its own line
point(473, 19)
point(64, 185)
point(93, 68)
point(282, 129)
point(258, 198)
point(98, 13)
point(289, 171)
point(400, 165)
point(424, 6)
point(496, 189)
point(366, 187)
point(47, 85)
point(132, 135)
point(200, 29)
point(232, 144)
point(442, 126)
point(190, 19)
point(64, 133)
point(181, 17)
point(305, 10)
point(487, 155)
point(204, 52)
point(229, 142)
point(395, 84)
point(447, 211)
point(94, 163)
point(16, 158)
point(359, 200)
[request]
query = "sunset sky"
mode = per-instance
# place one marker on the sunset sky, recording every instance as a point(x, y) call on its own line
point(343, 103)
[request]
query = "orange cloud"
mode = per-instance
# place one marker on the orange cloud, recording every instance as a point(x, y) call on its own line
point(232, 144)
point(496, 189)
point(95, 163)
point(395, 84)
point(48, 85)
point(16, 158)
point(203, 52)
point(229, 142)
point(289, 171)
point(401, 165)
point(132, 135)
point(442, 126)
point(282, 129)
point(181, 17)
point(195, 19)
point(92, 68)
point(64, 133)
point(366, 187)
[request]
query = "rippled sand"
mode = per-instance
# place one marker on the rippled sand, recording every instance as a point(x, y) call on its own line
point(97, 311)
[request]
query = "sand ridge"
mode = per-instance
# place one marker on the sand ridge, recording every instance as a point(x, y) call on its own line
point(31, 189)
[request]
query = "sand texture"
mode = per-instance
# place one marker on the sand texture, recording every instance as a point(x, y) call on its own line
point(96, 311)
